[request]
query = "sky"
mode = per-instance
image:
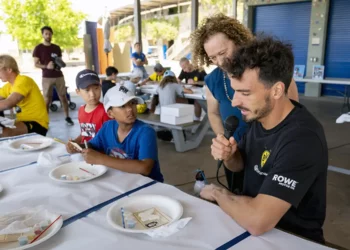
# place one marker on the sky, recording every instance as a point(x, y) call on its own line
point(95, 9)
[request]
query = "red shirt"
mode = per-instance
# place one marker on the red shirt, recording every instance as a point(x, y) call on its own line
point(45, 53)
point(90, 123)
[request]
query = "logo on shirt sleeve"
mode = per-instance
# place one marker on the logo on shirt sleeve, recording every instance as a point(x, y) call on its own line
point(284, 181)
point(264, 157)
point(88, 129)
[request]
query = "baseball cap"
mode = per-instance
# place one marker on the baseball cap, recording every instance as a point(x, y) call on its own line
point(118, 96)
point(158, 68)
point(168, 73)
point(85, 78)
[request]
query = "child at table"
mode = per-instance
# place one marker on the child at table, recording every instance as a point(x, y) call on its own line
point(125, 143)
point(168, 90)
point(92, 115)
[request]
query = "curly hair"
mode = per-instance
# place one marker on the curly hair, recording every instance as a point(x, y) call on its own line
point(210, 26)
point(273, 58)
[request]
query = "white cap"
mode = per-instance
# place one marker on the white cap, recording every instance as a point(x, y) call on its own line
point(136, 73)
point(118, 96)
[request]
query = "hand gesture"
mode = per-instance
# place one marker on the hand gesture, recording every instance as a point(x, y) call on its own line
point(223, 149)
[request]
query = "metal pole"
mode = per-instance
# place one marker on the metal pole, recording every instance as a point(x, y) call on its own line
point(137, 21)
point(234, 8)
point(194, 16)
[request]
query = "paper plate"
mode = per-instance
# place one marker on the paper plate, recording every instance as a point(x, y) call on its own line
point(169, 207)
point(77, 169)
point(188, 86)
point(44, 237)
point(30, 144)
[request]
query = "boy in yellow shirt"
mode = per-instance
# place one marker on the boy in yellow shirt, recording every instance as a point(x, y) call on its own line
point(157, 75)
point(22, 93)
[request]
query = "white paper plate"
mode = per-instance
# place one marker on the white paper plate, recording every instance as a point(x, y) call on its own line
point(188, 86)
point(44, 237)
point(73, 169)
point(36, 144)
point(170, 207)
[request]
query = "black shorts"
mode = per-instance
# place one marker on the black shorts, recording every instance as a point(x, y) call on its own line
point(34, 127)
point(190, 101)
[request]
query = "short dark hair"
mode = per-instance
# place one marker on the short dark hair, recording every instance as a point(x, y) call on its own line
point(273, 58)
point(46, 28)
point(137, 43)
point(111, 70)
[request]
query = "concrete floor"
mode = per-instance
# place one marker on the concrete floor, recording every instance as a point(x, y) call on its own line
point(179, 168)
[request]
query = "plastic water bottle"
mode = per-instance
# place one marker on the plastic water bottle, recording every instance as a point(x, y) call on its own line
point(200, 182)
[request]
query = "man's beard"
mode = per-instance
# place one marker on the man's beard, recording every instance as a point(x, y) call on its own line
point(48, 40)
point(259, 113)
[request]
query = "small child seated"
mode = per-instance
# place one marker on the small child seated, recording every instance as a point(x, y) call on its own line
point(92, 115)
point(169, 89)
point(157, 75)
point(111, 79)
point(126, 143)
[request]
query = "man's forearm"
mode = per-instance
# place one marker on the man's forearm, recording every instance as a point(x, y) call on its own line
point(4, 105)
point(240, 209)
point(126, 165)
point(235, 163)
point(41, 66)
point(216, 123)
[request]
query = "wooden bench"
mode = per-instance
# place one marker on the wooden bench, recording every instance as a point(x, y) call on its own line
point(182, 144)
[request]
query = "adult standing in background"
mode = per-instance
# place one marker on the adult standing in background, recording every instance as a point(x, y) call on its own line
point(44, 58)
point(213, 42)
point(139, 59)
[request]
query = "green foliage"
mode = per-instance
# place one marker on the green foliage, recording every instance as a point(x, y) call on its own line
point(24, 18)
point(218, 5)
point(152, 29)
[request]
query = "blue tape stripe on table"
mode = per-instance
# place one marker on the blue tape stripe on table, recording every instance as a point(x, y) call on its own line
point(234, 241)
point(103, 204)
point(26, 165)
point(17, 137)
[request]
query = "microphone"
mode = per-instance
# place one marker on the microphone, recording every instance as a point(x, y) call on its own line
point(231, 124)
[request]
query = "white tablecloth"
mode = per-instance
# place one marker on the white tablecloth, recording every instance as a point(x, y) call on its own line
point(210, 227)
point(198, 92)
point(10, 159)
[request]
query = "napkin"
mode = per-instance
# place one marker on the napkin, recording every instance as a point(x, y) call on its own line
point(7, 122)
point(343, 118)
point(168, 230)
point(47, 159)
point(23, 220)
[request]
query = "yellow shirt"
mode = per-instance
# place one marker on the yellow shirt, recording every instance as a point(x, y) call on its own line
point(33, 107)
point(154, 77)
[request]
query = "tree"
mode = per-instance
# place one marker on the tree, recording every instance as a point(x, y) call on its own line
point(24, 18)
point(223, 6)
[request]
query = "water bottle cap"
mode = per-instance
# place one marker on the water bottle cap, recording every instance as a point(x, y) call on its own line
point(199, 176)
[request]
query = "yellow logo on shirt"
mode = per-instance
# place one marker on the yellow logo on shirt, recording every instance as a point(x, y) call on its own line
point(264, 157)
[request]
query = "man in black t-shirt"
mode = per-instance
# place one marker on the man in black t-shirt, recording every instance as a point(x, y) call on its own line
point(284, 154)
point(191, 76)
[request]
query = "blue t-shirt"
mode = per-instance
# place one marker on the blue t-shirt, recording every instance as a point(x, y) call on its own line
point(138, 56)
point(215, 83)
point(140, 144)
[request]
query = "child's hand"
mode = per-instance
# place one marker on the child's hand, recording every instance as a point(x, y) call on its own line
point(190, 81)
point(91, 156)
point(71, 149)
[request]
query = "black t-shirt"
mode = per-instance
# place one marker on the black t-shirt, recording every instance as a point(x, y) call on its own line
point(290, 162)
point(106, 85)
point(191, 75)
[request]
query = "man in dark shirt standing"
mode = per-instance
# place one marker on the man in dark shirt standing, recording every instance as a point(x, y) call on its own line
point(44, 55)
point(284, 153)
point(191, 76)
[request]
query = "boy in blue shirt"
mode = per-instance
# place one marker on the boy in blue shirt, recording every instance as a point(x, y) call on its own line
point(139, 59)
point(125, 143)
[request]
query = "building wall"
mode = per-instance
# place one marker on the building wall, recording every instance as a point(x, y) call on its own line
point(317, 34)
